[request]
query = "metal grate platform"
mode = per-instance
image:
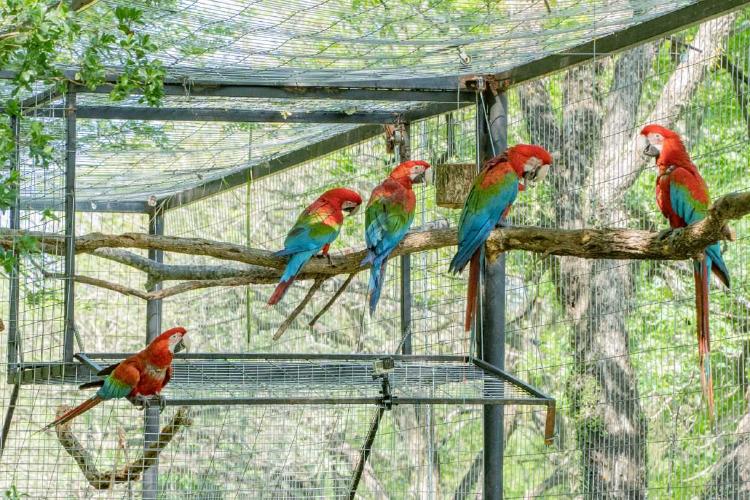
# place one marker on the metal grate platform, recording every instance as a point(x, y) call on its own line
point(226, 379)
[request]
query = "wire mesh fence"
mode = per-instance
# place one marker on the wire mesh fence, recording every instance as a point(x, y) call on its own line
point(612, 341)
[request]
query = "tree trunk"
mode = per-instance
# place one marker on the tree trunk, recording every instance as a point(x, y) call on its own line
point(610, 429)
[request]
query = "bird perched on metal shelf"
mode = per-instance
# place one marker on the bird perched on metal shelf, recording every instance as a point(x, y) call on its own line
point(682, 197)
point(489, 201)
point(137, 378)
point(316, 228)
point(388, 217)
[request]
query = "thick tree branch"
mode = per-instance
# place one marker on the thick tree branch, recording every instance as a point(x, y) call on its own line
point(133, 470)
point(585, 243)
point(265, 267)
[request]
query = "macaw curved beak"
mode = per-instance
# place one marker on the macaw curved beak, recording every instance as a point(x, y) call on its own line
point(536, 175)
point(182, 345)
point(651, 151)
point(351, 210)
point(418, 179)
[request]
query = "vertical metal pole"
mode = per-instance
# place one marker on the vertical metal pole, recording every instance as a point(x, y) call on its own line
point(70, 224)
point(404, 154)
point(153, 329)
point(15, 223)
point(248, 240)
point(492, 336)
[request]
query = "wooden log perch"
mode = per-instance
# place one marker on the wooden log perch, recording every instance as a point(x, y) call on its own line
point(102, 480)
point(262, 266)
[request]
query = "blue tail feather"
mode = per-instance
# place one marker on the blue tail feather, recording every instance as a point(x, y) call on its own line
point(377, 275)
point(295, 264)
point(460, 260)
point(716, 263)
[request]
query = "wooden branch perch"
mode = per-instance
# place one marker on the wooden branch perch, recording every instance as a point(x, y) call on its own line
point(133, 470)
point(300, 307)
point(263, 267)
point(331, 301)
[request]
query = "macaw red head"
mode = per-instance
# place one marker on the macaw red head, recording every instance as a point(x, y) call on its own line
point(665, 145)
point(531, 162)
point(344, 199)
point(173, 339)
point(414, 170)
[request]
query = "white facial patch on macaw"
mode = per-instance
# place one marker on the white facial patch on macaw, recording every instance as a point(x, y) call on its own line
point(349, 207)
point(534, 170)
point(416, 172)
point(541, 173)
point(656, 140)
point(174, 341)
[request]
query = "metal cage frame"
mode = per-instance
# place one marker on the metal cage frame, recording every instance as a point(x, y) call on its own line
point(438, 95)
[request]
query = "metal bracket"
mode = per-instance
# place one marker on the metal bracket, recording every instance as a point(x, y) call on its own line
point(480, 83)
point(382, 368)
point(399, 133)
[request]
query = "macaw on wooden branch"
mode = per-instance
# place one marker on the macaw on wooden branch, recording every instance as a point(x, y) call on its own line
point(316, 228)
point(489, 201)
point(682, 197)
point(136, 378)
point(388, 217)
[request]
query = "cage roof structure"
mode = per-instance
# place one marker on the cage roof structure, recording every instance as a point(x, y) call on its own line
point(313, 76)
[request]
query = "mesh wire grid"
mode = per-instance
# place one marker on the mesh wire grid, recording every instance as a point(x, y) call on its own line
point(319, 42)
point(613, 341)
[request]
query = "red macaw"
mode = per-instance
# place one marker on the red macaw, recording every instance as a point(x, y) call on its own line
point(389, 214)
point(682, 196)
point(137, 377)
point(316, 228)
point(488, 203)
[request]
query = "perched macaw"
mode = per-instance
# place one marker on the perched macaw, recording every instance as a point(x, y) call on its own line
point(488, 203)
point(137, 377)
point(682, 196)
point(388, 217)
point(316, 228)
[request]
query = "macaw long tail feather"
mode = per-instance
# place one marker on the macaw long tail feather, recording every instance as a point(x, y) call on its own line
point(293, 267)
point(700, 272)
point(71, 414)
point(471, 292)
point(279, 292)
point(377, 276)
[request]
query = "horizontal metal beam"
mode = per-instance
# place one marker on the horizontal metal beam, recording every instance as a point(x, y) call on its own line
point(350, 401)
point(56, 205)
point(443, 358)
point(253, 115)
point(220, 88)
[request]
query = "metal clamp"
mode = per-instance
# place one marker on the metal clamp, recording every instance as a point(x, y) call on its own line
point(381, 369)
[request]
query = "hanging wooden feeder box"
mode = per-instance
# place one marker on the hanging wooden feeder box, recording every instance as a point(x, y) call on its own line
point(453, 183)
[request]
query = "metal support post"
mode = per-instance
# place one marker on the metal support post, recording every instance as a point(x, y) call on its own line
point(153, 329)
point(492, 129)
point(404, 154)
point(70, 224)
point(15, 223)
